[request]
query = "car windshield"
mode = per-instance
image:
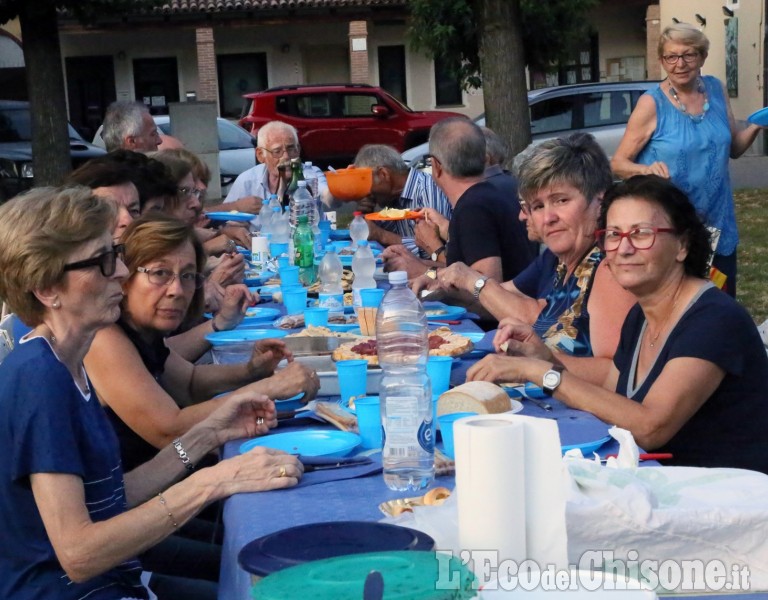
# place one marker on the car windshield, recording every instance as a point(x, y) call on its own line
point(16, 126)
point(398, 102)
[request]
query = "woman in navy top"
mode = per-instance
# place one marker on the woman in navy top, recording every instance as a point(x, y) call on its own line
point(690, 370)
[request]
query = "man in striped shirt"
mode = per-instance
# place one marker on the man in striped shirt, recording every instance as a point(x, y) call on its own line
point(397, 186)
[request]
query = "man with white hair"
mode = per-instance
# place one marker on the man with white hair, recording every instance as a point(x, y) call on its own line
point(129, 125)
point(277, 144)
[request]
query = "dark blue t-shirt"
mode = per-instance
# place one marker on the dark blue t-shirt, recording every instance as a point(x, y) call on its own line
point(729, 429)
point(48, 426)
point(537, 279)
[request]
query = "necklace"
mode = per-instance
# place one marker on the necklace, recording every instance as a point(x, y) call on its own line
point(654, 339)
point(702, 91)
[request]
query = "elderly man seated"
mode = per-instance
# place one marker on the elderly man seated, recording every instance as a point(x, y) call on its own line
point(397, 186)
point(277, 144)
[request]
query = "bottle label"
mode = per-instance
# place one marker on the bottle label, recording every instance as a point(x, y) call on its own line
point(333, 302)
point(403, 426)
point(426, 441)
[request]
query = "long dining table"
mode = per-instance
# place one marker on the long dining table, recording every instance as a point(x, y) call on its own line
point(344, 495)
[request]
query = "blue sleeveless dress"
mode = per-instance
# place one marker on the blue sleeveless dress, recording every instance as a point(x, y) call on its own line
point(697, 153)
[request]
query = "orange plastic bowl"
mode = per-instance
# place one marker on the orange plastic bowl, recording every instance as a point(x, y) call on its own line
point(350, 184)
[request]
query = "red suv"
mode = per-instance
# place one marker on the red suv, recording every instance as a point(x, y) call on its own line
point(335, 121)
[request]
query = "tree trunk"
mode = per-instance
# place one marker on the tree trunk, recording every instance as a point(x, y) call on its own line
point(45, 84)
point(502, 63)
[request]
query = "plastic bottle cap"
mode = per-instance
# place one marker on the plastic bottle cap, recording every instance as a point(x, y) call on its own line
point(398, 277)
point(362, 243)
point(358, 213)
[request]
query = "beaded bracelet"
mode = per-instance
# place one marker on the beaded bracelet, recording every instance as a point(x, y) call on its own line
point(167, 510)
point(183, 456)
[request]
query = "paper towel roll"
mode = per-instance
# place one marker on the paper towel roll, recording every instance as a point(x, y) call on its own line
point(511, 488)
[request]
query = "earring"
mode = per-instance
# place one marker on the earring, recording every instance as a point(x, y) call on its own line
point(56, 304)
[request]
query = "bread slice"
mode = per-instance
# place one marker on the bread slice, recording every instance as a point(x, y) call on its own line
point(481, 397)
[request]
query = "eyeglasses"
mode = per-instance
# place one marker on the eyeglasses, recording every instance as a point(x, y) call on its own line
point(292, 150)
point(640, 238)
point(688, 58)
point(107, 262)
point(187, 191)
point(162, 277)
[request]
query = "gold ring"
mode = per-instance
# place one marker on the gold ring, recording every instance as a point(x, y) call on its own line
point(282, 471)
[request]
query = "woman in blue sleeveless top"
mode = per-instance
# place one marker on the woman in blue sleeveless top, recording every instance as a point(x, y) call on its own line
point(684, 130)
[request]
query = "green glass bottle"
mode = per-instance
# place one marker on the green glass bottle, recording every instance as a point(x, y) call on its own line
point(297, 174)
point(304, 251)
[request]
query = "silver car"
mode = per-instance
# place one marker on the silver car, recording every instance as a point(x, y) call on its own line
point(601, 109)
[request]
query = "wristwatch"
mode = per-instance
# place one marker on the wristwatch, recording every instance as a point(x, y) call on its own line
point(437, 253)
point(432, 273)
point(479, 285)
point(552, 379)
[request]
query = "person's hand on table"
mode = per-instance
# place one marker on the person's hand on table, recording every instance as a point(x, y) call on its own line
point(244, 413)
point(230, 270)
point(399, 258)
point(498, 368)
point(233, 304)
point(458, 277)
point(436, 219)
point(248, 204)
point(658, 168)
point(422, 283)
point(292, 380)
point(237, 232)
point(516, 338)
point(427, 236)
point(258, 470)
point(266, 355)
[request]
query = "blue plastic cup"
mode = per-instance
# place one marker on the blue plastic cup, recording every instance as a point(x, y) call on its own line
point(446, 429)
point(283, 261)
point(278, 249)
point(353, 377)
point(295, 300)
point(325, 232)
point(316, 316)
point(368, 411)
point(439, 371)
point(289, 275)
point(371, 297)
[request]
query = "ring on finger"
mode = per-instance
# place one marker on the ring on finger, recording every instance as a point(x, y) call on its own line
point(260, 421)
point(282, 471)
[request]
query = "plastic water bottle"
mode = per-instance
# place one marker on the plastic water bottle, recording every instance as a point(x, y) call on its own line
point(311, 178)
point(265, 216)
point(405, 391)
point(363, 266)
point(358, 229)
point(302, 203)
point(281, 228)
point(274, 201)
point(304, 251)
point(331, 293)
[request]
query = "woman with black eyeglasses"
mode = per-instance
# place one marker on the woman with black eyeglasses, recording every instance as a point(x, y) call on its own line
point(689, 374)
point(74, 519)
point(684, 130)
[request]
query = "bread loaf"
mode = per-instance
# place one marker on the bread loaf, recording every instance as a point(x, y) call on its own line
point(481, 397)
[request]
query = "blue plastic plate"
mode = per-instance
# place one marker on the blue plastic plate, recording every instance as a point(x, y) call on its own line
point(260, 316)
point(343, 327)
point(438, 310)
point(534, 391)
point(266, 291)
point(759, 117)
point(587, 448)
point(513, 391)
point(292, 403)
point(340, 234)
point(297, 545)
point(230, 216)
point(238, 336)
point(475, 336)
point(253, 279)
point(309, 442)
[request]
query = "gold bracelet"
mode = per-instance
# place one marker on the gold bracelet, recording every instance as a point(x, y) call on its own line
point(167, 510)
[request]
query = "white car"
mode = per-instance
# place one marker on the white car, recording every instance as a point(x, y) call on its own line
point(601, 109)
point(236, 148)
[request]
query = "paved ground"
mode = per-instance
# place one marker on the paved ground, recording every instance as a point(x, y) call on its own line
point(749, 172)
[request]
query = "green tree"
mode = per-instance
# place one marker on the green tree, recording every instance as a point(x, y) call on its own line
point(490, 43)
point(45, 79)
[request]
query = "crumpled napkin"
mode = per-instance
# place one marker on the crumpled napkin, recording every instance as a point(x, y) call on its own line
point(628, 456)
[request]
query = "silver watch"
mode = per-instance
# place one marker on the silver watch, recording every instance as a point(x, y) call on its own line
point(479, 285)
point(552, 379)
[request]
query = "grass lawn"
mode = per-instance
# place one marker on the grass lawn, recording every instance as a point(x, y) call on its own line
point(752, 217)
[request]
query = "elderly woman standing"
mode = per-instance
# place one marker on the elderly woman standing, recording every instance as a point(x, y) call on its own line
point(684, 129)
point(561, 182)
point(72, 521)
point(690, 370)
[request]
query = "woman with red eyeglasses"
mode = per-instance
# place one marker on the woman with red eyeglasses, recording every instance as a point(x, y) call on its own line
point(689, 374)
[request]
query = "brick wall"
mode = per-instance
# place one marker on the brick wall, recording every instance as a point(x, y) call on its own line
point(358, 52)
point(208, 83)
point(653, 32)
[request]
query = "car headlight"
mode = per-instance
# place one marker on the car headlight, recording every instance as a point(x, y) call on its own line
point(26, 170)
